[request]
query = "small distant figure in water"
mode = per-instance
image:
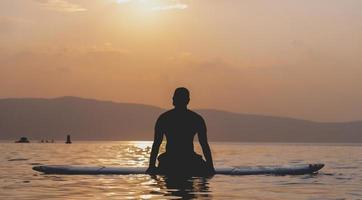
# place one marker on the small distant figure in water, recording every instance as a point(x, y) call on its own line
point(68, 140)
point(23, 140)
point(47, 141)
point(180, 125)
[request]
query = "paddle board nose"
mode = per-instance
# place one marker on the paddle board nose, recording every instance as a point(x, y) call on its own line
point(37, 168)
point(316, 166)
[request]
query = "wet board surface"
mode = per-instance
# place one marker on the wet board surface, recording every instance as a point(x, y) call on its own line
point(257, 170)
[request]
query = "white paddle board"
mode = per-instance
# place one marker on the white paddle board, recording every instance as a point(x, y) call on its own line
point(257, 170)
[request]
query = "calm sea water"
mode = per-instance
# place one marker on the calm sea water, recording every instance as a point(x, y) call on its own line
point(340, 179)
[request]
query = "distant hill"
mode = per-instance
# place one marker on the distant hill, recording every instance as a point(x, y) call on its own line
point(87, 119)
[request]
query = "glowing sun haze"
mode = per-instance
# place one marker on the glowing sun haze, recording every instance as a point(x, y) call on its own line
point(155, 4)
point(282, 57)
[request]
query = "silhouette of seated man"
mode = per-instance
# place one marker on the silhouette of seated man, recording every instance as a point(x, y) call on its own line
point(180, 125)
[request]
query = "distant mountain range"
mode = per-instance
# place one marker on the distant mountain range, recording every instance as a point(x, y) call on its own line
point(87, 119)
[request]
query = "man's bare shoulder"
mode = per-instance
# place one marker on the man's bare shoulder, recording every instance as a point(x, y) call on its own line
point(165, 115)
point(195, 115)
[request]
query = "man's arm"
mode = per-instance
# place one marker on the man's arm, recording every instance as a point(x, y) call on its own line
point(205, 146)
point(155, 147)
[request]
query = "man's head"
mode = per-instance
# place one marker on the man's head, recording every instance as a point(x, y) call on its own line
point(181, 97)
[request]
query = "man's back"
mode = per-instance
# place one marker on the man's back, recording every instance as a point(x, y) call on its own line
point(180, 127)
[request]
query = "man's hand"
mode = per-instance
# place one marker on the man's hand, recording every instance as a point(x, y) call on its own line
point(151, 170)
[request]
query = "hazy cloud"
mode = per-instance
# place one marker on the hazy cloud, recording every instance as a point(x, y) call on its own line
point(158, 5)
point(170, 7)
point(60, 5)
point(123, 1)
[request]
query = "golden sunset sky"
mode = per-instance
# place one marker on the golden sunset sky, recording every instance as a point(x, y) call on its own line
point(296, 58)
